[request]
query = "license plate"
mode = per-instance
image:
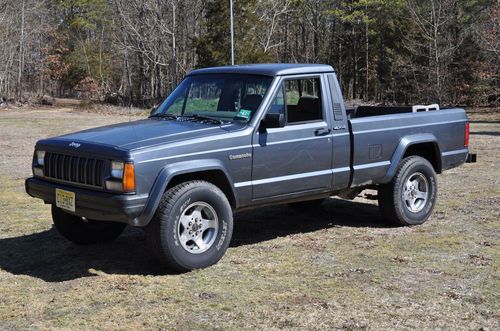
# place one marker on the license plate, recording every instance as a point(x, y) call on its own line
point(65, 199)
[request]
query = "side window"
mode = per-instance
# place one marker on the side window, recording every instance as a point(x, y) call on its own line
point(292, 92)
point(303, 100)
point(278, 105)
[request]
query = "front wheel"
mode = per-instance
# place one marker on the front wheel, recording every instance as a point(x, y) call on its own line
point(192, 226)
point(84, 231)
point(410, 197)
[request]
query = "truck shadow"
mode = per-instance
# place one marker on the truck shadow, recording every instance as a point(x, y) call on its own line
point(48, 256)
point(268, 223)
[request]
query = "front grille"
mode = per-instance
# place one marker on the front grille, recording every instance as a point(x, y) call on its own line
point(75, 169)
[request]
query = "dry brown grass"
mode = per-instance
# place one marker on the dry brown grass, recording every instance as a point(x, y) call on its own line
point(339, 267)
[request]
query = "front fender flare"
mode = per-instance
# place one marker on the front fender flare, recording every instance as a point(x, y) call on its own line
point(403, 145)
point(165, 176)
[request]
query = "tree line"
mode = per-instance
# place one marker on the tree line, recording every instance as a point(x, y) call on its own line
point(137, 51)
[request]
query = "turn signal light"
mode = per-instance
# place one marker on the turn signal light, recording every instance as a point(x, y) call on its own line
point(129, 178)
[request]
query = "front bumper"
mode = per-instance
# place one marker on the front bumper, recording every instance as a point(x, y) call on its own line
point(92, 204)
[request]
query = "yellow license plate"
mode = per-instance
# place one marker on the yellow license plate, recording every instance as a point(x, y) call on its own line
point(65, 199)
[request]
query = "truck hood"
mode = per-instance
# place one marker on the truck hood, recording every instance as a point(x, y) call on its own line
point(145, 133)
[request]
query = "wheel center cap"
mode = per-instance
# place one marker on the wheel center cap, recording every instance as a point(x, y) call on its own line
point(195, 227)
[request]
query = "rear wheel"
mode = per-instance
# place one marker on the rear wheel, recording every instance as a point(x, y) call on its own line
point(84, 231)
point(192, 226)
point(410, 197)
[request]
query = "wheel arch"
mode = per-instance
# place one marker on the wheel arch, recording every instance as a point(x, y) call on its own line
point(209, 170)
point(423, 145)
point(427, 150)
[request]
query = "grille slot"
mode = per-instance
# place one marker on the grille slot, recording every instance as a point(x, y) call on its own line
point(75, 169)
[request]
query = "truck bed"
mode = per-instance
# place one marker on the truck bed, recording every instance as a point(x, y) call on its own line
point(376, 142)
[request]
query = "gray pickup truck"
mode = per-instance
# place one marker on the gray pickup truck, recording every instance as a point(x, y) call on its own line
point(238, 137)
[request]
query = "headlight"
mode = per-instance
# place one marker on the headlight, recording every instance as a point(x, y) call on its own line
point(117, 169)
point(125, 174)
point(40, 157)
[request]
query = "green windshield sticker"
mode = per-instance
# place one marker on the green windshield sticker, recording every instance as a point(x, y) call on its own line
point(244, 113)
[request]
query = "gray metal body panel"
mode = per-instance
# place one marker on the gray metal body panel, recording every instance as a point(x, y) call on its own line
point(269, 69)
point(376, 140)
point(276, 165)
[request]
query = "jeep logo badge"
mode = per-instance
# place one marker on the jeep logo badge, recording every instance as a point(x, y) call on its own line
point(75, 145)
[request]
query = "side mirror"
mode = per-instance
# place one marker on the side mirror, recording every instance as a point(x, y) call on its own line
point(273, 120)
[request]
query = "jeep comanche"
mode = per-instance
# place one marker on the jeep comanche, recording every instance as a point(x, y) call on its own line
point(238, 137)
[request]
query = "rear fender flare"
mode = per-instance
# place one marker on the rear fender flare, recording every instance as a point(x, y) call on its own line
point(402, 147)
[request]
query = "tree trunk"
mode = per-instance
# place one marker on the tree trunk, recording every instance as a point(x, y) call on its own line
point(21, 52)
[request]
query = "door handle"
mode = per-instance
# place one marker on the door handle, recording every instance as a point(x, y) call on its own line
point(321, 132)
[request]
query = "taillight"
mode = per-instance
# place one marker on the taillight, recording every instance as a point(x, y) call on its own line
point(466, 140)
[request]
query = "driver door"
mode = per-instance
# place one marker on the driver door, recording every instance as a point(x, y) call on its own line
point(297, 157)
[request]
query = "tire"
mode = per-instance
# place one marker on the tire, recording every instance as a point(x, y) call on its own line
point(410, 197)
point(308, 204)
point(192, 227)
point(85, 231)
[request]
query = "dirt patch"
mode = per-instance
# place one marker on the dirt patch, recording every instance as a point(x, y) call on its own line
point(335, 267)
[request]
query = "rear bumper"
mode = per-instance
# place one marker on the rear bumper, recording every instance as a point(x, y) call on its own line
point(453, 158)
point(92, 204)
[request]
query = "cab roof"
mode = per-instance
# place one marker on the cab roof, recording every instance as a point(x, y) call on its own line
point(268, 69)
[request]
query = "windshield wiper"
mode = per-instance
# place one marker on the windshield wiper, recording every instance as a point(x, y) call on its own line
point(163, 115)
point(204, 117)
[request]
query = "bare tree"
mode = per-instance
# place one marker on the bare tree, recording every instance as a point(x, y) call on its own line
point(271, 14)
point(20, 31)
point(136, 51)
point(433, 19)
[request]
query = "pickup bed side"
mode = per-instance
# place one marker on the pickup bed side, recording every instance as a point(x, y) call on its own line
point(380, 142)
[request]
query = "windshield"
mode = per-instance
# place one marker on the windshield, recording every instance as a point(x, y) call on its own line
point(226, 97)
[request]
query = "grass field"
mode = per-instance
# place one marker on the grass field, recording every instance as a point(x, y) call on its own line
point(338, 267)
